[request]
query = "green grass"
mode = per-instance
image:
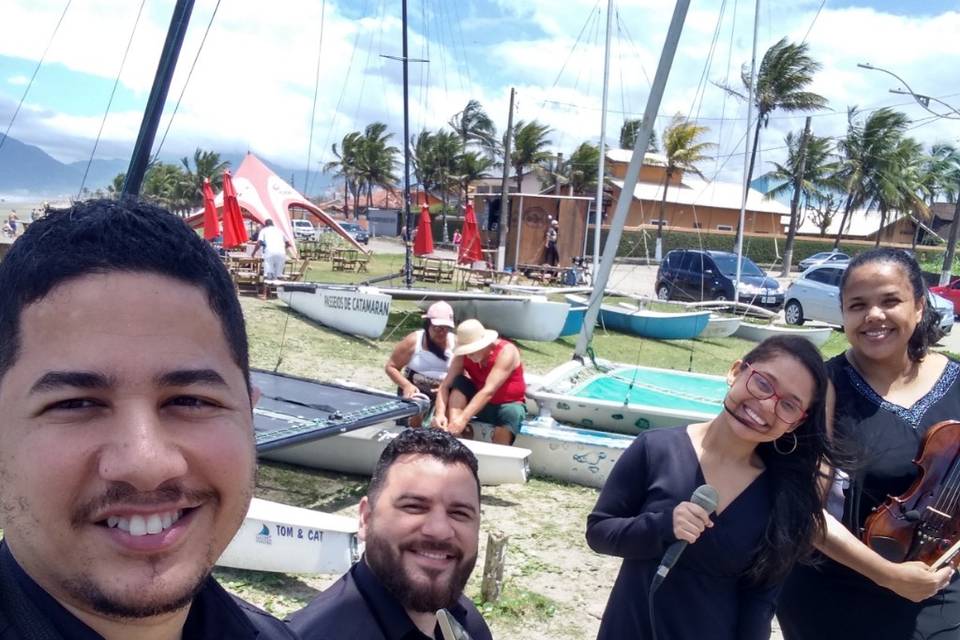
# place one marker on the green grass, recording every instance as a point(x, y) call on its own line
point(517, 604)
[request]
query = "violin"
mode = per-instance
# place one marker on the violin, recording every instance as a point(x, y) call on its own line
point(924, 523)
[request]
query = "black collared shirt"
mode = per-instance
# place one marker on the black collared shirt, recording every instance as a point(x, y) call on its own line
point(214, 614)
point(392, 618)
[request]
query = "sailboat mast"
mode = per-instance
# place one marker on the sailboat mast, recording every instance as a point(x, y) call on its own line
point(633, 172)
point(137, 169)
point(746, 153)
point(408, 221)
point(598, 209)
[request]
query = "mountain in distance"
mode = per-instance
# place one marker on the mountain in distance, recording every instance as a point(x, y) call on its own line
point(27, 171)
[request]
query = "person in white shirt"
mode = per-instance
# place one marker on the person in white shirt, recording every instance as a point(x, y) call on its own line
point(420, 361)
point(274, 246)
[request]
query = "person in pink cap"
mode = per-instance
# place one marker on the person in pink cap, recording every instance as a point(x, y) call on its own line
point(420, 361)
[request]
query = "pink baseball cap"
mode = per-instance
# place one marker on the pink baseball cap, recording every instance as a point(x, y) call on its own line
point(440, 314)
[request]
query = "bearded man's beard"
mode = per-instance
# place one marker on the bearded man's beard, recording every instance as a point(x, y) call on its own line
point(386, 562)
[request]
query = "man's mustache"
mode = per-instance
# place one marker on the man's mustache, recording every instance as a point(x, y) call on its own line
point(124, 494)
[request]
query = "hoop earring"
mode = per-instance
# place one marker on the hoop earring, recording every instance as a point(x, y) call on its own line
point(792, 449)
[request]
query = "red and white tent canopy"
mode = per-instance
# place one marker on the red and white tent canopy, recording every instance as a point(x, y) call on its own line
point(263, 196)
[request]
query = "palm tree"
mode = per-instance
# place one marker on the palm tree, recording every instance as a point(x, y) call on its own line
point(863, 151)
point(347, 166)
point(683, 150)
point(782, 79)
point(447, 149)
point(168, 186)
point(530, 144)
point(628, 136)
point(206, 164)
point(580, 170)
point(894, 182)
point(472, 166)
point(421, 153)
point(814, 182)
point(473, 125)
point(377, 160)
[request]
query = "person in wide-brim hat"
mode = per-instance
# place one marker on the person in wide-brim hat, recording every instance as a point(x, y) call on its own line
point(485, 380)
point(419, 362)
point(471, 337)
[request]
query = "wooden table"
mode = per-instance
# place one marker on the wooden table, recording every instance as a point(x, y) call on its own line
point(543, 273)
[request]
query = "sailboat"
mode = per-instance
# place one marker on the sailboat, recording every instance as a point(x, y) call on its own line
point(621, 398)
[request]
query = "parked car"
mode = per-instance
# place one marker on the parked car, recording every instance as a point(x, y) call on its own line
point(815, 295)
point(951, 292)
point(690, 274)
point(359, 233)
point(303, 229)
point(831, 257)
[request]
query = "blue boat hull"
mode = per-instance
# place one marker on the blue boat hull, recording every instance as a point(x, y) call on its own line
point(679, 326)
point(574, 321)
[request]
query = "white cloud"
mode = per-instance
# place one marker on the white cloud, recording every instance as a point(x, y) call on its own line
point(253, 84)
point(18, 80)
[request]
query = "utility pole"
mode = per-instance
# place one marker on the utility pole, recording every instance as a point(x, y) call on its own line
point(795, 201)
point(505, 192)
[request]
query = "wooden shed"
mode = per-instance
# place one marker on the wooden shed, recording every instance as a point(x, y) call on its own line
point(528, 224)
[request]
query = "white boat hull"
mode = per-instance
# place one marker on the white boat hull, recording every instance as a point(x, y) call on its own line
point(523, 319)
point(760, 332)
point(720, 327)
point(552, 397)
point(286, 539)
point(357, 452)
point(569, 454)
point(359, 311)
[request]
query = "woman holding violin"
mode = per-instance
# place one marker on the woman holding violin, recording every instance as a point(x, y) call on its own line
point(886, 393)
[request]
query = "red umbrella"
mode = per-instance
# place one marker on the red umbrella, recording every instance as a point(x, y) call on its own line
point(423, 243)
point(211, 225)
point(470, 249)
point(234, 232)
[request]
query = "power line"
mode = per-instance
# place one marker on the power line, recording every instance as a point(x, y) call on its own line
point(176, 106)
point(113, 93)
point(33, 77)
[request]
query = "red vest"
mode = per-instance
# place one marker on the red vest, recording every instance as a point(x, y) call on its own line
point(513, 388)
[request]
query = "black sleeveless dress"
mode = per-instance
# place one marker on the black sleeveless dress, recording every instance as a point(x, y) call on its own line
point(828, 600)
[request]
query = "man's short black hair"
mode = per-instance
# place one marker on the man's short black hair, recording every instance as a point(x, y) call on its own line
point(436, 443)
point(105, 236)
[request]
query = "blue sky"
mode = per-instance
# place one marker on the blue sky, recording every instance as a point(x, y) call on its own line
point(253, 84)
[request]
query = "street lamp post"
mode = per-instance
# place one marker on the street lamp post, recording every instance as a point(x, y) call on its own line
point(924, 101)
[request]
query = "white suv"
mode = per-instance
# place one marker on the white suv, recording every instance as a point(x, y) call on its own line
point(303, 229)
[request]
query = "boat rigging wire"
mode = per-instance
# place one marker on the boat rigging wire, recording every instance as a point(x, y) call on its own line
point(813, 22)
point(113, 93)
point(343, 87)
point(313, 109)
point(36, 69)
point(183, 90)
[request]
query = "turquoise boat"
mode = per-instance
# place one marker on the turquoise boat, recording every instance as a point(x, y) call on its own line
point(649, 324)
point(627, 399)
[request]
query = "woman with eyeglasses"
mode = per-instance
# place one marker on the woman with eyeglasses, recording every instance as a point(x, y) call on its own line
point(762, 454)
point(886, 391)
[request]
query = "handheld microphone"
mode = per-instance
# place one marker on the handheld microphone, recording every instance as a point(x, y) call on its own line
point(705, 497)
point(450, 629)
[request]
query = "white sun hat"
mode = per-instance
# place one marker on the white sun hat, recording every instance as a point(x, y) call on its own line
point(471, 337)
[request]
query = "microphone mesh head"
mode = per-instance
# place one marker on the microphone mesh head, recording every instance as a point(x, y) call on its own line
point(706, 497)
